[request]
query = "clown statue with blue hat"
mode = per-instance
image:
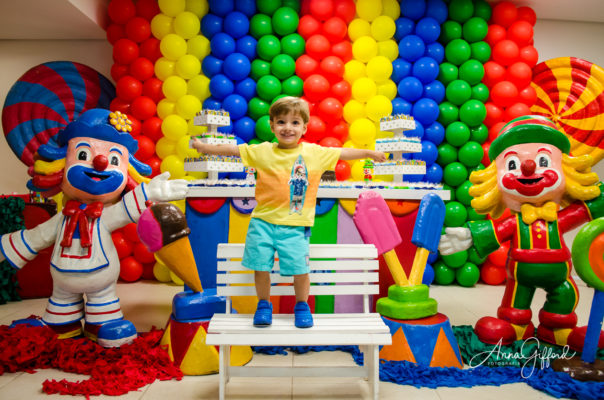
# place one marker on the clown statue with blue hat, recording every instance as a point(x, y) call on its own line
point(549, 193)
point(95, 168)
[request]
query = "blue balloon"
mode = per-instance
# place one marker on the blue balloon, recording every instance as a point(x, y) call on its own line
point(401, 106)
point(413, 178)
point(400, 69)
point(436, 51)
point(236, 66)
point(428, 277)
point(417, 132)
point(432, 257)
point(429, 153)
point(236, 24)
point(211, 66)
point(225, 129)
point(221, 7)
point(413, 9)
point(410, 89)
point(247, 46)
point(248, 7)
point(427, 28)
point(435, 90)
point(438, 10)
point(246, 88)
point(411, 47)
point(244, 128)
point(404, 27)
point(212, 103)
point(236, 105)
point(221, 86)
point(425, 111)
point(434, 173)
point(435, 133)
point(222, 45)
point(210, 25)
point(425, 69)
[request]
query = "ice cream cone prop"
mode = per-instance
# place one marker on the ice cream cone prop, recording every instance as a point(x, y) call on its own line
point(163, 229)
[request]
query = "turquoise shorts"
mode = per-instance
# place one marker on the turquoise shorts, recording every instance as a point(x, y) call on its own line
point(290, 243)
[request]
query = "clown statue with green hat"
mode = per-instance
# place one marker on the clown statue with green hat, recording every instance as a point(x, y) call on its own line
point(549, 193)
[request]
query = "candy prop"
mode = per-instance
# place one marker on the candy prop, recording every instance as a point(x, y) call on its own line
point(570, 92)
point(45, 99)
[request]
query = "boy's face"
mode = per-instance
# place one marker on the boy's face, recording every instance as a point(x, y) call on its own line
point(288, 129)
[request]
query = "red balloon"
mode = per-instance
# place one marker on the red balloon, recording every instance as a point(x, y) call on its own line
point(504, 14)
point(334, 29)
point(341, 91)
point(339, 131)
point(115, 32)
point(504, 93)
point(315, 129)
point(500, 256)
point(321, 9)
point(152, 128)
point(318, 47)
point(142, 254)
point(143, 108)
point(136, 125)
point(146, 148)
point(123, 246)
point(520, 74)
point(529, 55)
point(343, 50)
point(528, 96)
point(495, 34)
point(118, 71)
point(147, 9)
point(329, 141)
point(342, 170)
point(130, 269)
point(493, 73)
point(131, 233)
point(306, 66)
point(141, 69)
point(330, 110)
point(152, 89)
point(485, 150)
point(311, 104)
point(520, 32)
point(125, 51)
point(120, 11)
point(332, 68)
point(121, 105)
point(138, 29)
point(516, 110)
point(492, 274)
point(155, 164)
point(150, 49)
point(128, 88)
point(494, 130)
point(505, 52)
point(316, 87)
point(527, 14)
point(494, 114)
point(345, 9)
point(308, 26)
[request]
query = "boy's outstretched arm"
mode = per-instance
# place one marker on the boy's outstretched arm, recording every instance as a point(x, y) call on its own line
point(216, 149)
point(355, 154)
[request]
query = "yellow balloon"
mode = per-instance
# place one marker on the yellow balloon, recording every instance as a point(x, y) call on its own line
point(357, 28)
point(369, 9)
point(198, 174)
point(379, 68)
point(364, 48)
point(388, 49)
point(349, 145)
point(176, 279)
point(391, 8)
point(377, 107)
point(199, 86)
point(195, 130)
point(165, 107)
point(164, 147)
point(356, 171)
point(186, 24)
point(197, 7)
point(363, 89)
point(187, 106)
point(353, 110)
point(173, 46)
point(174, 165)
point(164, 68)
point(171, 7)
point(183, 150)
point(188, 66)
point(353, 70)
point(174, 127)
point(161, 25)
point(382, 28)
point(362, 132)
point(199, 46)
point(388, 89)
point(161, 272)
point(174, 87)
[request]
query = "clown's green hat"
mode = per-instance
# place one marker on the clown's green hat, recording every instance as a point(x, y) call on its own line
point(528, 129)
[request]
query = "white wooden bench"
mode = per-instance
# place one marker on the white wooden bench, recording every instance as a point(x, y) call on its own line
point(337, 269)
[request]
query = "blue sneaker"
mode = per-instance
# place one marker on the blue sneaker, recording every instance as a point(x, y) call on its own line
point(264, 314)
point(303, 316)
point(116, 333)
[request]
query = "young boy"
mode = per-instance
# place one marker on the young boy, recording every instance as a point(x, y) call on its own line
point(288, 175)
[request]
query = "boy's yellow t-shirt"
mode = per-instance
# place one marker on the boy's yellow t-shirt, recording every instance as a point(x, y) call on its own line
point(287, 180)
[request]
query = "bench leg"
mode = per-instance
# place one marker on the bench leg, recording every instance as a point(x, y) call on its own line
point(224, 364)
point(373, 369)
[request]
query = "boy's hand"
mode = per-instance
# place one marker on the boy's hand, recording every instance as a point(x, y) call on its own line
point(378, 156)
point(197, 145)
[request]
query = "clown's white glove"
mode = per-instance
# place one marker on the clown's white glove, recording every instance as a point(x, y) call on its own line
point(455, 240)
point(162, 189)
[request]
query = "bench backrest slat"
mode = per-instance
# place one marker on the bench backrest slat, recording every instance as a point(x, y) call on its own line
point(289, 290)
point(316, 277)
point(315, 265)
point(235, 250)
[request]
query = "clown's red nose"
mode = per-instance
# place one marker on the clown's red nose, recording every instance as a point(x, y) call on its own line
point(100, 162)
point(528, 167)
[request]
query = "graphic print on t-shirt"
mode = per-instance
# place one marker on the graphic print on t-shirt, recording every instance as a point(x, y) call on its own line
point(297, 186)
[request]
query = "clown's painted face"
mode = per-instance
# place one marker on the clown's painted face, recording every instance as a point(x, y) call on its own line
point(530, 173)
point(95, 170)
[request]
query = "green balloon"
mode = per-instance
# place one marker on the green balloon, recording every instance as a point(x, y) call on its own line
point(455, 174)
point(479, 133)
point(479, 167)
point(473, 256)
point(461, 10)
point(462, 195)
point(268, 6)
point(448, 113)
point(255, 141)
point(446, 154)
point(471, 71)
point(293, 4)
point(268, 47)
point(283, 66)
point(447, 73)
point(277, 98)
point(257, 108)
point(470, 154)
point(268, 87)
point(455, 214)
point(480, 92)
point(455, 260)
point(482, 9)
point(293, 45)
point(467, 275)
point(457, 51)
point(293, 86)
point(480, 51)
point(259, 69)
point(443, 275)
point(458, 92)
point(475, 29)
point(474, 216)
point(263, 129)
point(472, 112)
point(260, 25)
point(450, 189)
point(449, 30)
point(456, 134)
point(285, 21)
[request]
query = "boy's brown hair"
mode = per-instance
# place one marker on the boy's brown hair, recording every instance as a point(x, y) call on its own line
point(288, 104)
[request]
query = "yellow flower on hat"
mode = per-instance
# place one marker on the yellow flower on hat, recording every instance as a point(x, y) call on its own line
point(120, 121)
